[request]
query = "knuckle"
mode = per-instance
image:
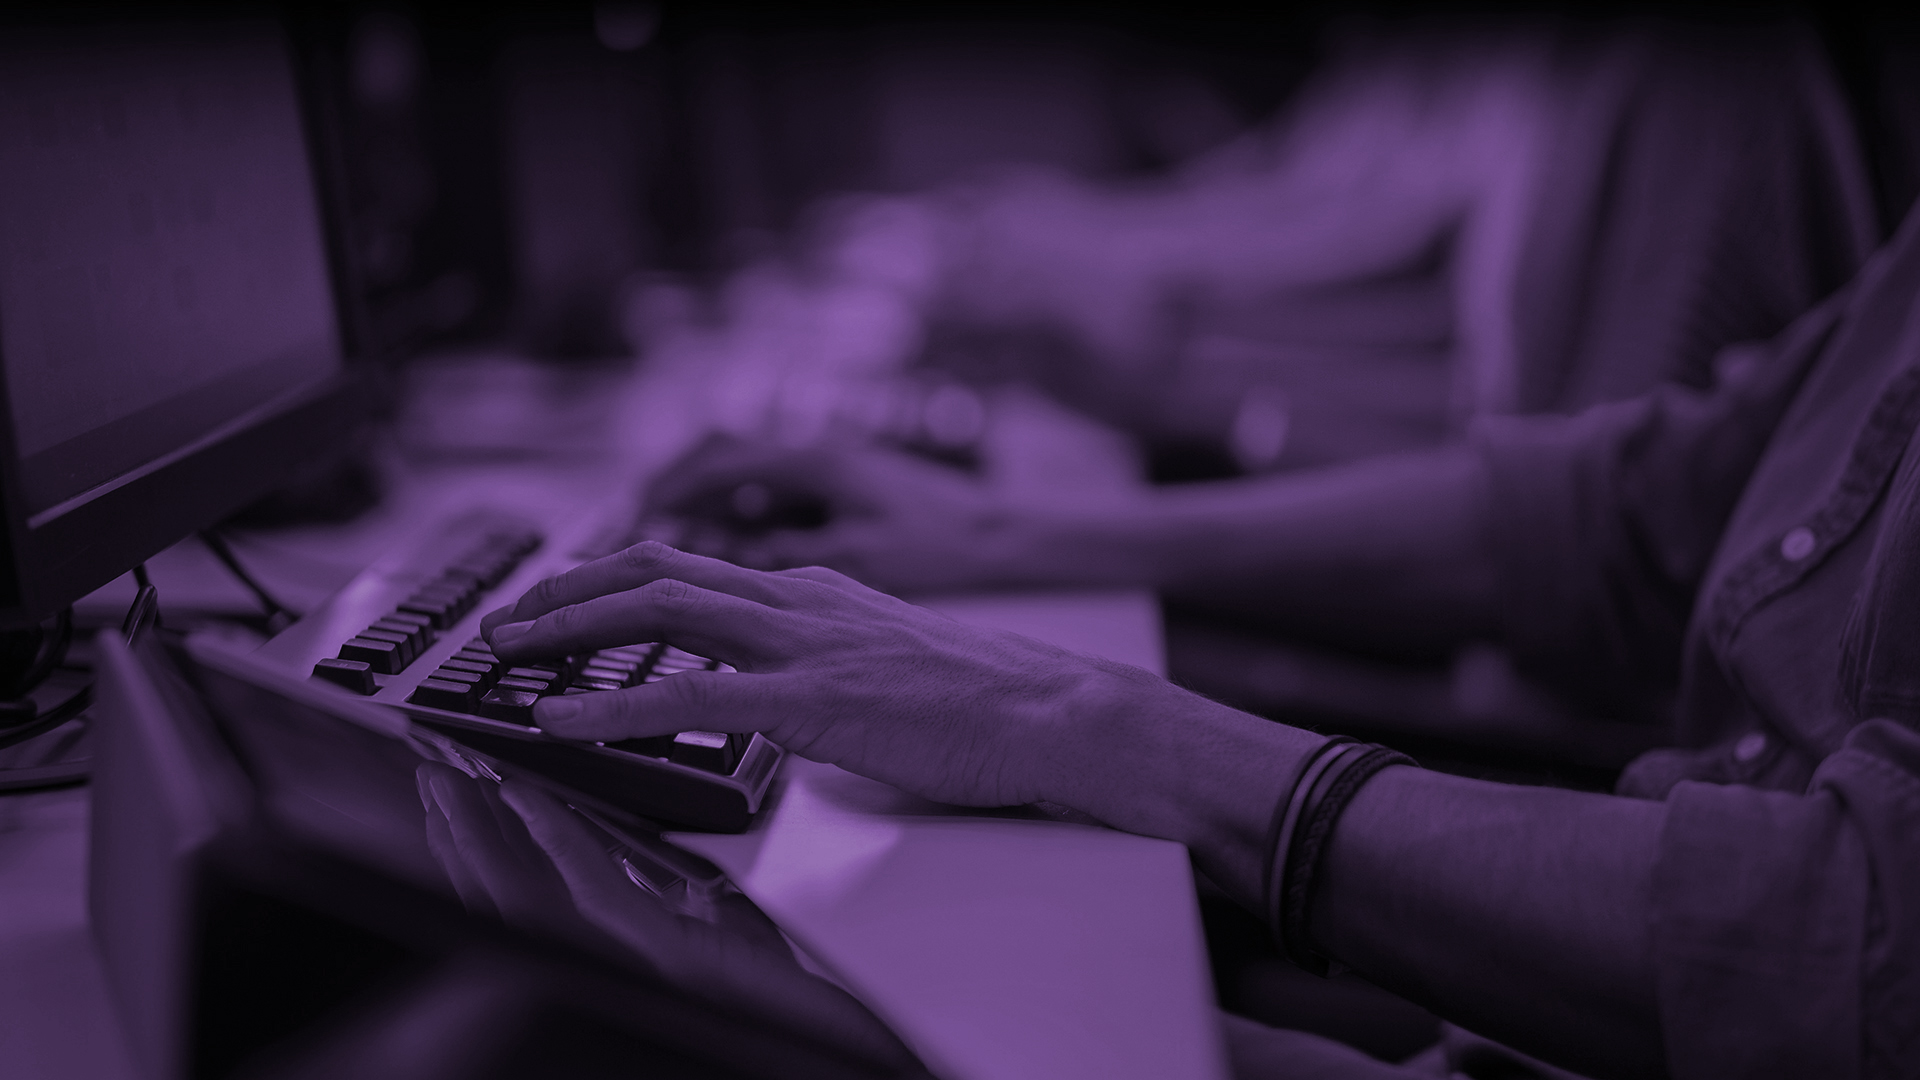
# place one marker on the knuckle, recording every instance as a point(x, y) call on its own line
point(834, 579)
point(562, 621)
point(547, 592)
point(669, 595)
point(647, 555)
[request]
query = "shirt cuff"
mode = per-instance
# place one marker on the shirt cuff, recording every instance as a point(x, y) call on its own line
point(1759, 921)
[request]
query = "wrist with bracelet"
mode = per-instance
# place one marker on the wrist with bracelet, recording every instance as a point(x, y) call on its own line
point(1324, 783)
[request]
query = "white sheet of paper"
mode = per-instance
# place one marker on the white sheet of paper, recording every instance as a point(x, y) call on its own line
point(999, 947)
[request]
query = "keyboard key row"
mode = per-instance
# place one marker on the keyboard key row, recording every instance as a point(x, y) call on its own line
point(478, 683)
point(396, 640)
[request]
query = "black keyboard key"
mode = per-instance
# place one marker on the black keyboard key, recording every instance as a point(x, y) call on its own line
point(488, 565)
point(710, 750)
point(484, 671)
point(355, 675)
point(441, 694)
point(475, 656)
point(409, 618)
point(453, 586)
point(440, 613)
point(655, 746)
point(538, 673)
point(508, 705)
point(402, 640)
point(597, 673)
point(416, 634)
point(585, 683)
point(672, 659)
point(638, 654)
point(381, 656)
point(447, 674)
point(537, 686)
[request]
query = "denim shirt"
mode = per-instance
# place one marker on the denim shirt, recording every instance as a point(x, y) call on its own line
point(1749, 558)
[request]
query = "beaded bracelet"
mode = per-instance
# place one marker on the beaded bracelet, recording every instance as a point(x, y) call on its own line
point(1303, 823)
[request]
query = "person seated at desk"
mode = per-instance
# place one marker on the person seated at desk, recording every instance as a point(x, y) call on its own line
point(1509, 216)
point(1446, 220)
point(1747, 904)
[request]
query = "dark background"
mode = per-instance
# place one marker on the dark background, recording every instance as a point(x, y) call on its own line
point(506, 168)
point(502, 171)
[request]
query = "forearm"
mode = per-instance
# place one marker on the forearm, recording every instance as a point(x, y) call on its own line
point(1390, 551)
point(1249, 238)
point(1253, 231)
point(1144, 756)
point(1520, 913)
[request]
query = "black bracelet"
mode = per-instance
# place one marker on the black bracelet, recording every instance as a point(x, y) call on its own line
point(1321, 805)
point(1286, 813)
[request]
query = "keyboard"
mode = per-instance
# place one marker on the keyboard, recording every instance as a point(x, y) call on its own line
point(405, 633)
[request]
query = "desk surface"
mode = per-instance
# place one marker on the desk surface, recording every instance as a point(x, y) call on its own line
point(998, 948)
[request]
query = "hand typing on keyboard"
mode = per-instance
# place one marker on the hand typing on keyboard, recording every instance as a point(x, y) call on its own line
point(837, 672)
point(830, 669)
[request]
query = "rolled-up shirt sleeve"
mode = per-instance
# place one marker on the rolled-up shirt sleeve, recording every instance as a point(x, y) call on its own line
point(1786, 927)
point(1603, 524)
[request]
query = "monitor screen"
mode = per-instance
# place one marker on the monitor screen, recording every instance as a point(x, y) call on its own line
point(162, 269)
point(171, 339)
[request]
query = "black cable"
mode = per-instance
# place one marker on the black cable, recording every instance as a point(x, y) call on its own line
point(144, 613)
point(53, 718)
point(277, 613)
point(143, 616)
point(53, 652)
point(48, 654)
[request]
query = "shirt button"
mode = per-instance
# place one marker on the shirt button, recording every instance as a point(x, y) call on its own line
point(1750, 746)
point(1797, 544)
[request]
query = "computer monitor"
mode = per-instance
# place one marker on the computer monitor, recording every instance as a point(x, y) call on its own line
point(171, 345)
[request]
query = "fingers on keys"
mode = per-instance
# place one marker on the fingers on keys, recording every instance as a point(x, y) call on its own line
point(642, 564)
point(703, 621)
point(689, 701)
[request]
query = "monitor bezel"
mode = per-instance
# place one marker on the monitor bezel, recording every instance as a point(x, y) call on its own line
point(98, 538)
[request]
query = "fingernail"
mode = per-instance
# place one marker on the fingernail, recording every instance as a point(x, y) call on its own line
point(508, 633)
point(556, 710)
